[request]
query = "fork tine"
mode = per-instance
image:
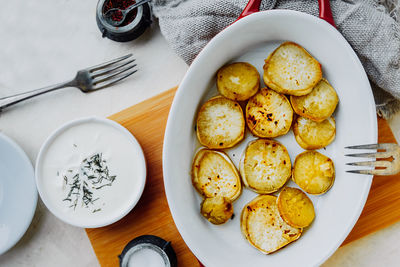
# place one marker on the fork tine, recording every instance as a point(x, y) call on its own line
point(380, 163)
point(372, 146)
point(369, 172)
point(374, 172)
point(108, 63)
point(115, 80)
point(385, 154)
point(112, 68)
point(113, 74)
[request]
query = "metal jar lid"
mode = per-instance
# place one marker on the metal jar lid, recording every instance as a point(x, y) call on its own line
point(155, 243)
point(126, 33)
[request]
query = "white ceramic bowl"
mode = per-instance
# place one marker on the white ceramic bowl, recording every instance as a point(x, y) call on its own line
point(252, 39)
point(126, 196)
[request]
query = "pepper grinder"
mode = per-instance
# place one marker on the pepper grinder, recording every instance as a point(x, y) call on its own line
point(134, 26)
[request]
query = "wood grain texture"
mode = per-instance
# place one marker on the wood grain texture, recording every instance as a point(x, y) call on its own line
point(147, 121)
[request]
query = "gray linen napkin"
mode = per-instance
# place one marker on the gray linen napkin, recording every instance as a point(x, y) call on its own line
point(370, 26)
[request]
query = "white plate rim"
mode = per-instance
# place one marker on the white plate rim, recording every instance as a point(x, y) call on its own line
point(26, 161)
point(179, 96)
point(69, 124)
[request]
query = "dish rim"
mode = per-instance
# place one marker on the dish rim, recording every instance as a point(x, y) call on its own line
point(24, 157)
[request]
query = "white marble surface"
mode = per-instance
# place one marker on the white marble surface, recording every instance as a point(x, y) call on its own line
point(45, 42)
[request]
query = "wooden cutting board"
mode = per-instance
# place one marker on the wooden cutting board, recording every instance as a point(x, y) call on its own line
point(147, 121)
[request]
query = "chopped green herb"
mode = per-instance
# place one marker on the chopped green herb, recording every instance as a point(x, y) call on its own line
point(103, 186)
point(92, 175)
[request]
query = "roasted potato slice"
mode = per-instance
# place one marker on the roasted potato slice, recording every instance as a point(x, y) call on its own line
point(238, 81)
point(217, 210)
point(310, 134)
point(295, 208)
point(313, 172)
point(290, 69)
point(220, 123)
point(265, 166)
point(214, 174)
point(264, 228)
point(317, 105)
point(269, 114)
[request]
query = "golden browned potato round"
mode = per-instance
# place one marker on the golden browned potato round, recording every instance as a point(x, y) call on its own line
point(295, 208)
point(264, 228)
point(238, 81)
point(269, 114)
point(265, 166)
point(290, 69)
point(313, 172)
point(214, 175)
point(317, 105)
point(310, 134)
point(217, 210)
point(220, 123)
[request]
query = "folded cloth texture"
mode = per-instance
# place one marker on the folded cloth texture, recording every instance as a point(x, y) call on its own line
point(370, 26)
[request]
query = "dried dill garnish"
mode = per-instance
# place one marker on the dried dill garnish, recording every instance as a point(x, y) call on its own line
point(92, 175)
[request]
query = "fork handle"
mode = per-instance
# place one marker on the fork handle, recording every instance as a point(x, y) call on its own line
point(14, 99)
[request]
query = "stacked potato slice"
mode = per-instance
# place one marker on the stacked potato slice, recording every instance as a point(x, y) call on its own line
point(310, 134)
point(267, 222)
point(270, 223)
point(295, 207)
point(265, 166)
point(313, 172)
point(263, 227)
point(238, 81)
point(269, 114)
point(317, 105)
point(215, 178)
point(291, 70)
point(220, 124)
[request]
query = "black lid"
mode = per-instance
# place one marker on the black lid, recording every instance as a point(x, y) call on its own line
point(153, 242)
point(126, 33)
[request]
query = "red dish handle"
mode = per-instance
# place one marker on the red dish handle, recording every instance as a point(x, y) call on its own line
point(325, 11)
point(252, 6)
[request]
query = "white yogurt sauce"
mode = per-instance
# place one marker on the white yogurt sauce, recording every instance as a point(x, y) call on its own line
point(64, 157)
point(146, 258)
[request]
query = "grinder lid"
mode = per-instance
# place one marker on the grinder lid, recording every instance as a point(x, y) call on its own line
point(154, 243)
point(128, 32)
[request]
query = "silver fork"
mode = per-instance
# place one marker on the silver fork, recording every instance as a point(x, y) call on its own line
point(87, 80)
point(387, 161)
